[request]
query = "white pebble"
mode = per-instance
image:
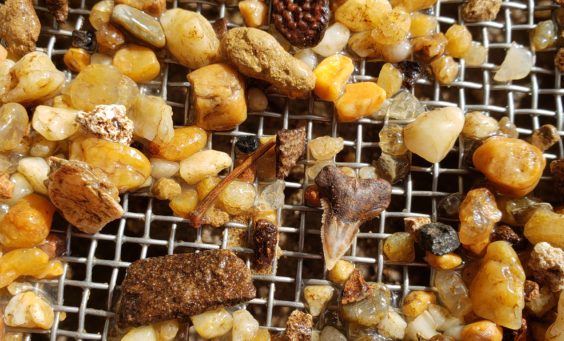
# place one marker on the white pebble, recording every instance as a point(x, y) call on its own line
point(256, 100)
point(28, 310)
point(398, 52)
point(392, 326)
point(161, 168)
point(244, 326)
point(202, 164)
point(145, 333)
point(36, 171)
point(434, 133)
point(334, 40)
point(517, 64)
point(212, 323)
point(54, 124)
point(307, 56)
point(476, 55)
point(317, 297)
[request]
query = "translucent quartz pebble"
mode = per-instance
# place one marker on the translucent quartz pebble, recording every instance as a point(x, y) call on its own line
point(141, 25)
point(272, 196)
point(332, 334)
point(517, 64)
point(403, 106)
point(453, 292)
point(54, 124)
point(13, 125)
point(543, 35)
point(497, 290)
point(308, 57)
point(478, 215)
point(334, 40)
point(371, 310)
point(391, 140)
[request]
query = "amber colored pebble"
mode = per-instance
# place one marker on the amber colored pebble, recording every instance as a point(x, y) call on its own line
point(109, 38)
point(76, 59)
point(331, 76)
point(27, 223)
point(138, 63)
point(359, 100)
point(311, 196)
point(444, 262)
point(513, 166)
point(481, 331)
point(186, 141)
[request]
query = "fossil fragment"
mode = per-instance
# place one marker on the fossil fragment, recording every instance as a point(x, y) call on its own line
point(182, 285)
point(347, 203)
point(84, 195)
point(265, 236)
point(290, 145)
point(355, 288)
point(299, 326)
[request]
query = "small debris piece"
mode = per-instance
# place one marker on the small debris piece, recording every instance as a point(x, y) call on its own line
point(84, 195)
point(59, 9)
point(355, 288)
point(559, 59)
point(412, 71)
point(265, 237)
point(247, 144)
point(506, 233)
point(557, 171)
point(6, 186)
point(480, 10)
point(545, 137)
point(19, 26)
point(547, 265)
point(311, 196)
point(108, 122)
point(438, 238)
point(220, 27)
point(182, 285)
point(412, 224)
point(166, 189)
point(532, 290)
point(299, 326)
point(303, 23)
point(84, 40)
point(290, 146)
point(347, 203)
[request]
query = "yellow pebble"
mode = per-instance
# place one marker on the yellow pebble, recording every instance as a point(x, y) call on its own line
point(359, 100)
point(459, 41)
point(393, 29)
point(445, 262)
point(76, 59)
point(445, 69)
point(390, 79)
point(481, 331)
point(186, 141)
point(138, 63)
point(416, 302)
point(422, 24)
point(184, 203)
point(27, 262)
point(340, 272)
point(331, 76)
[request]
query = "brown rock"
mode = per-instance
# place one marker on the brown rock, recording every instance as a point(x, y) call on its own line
point(85, 196)
point(532, 290)
point(19, 26)
point(179, 286)
point(59, 9)
point(290, 146)
point(299, 326)
point(547, 265)
point(557, 171)
point(6, 186)
point(355, 288)
point(480, 10)
point(506, 233)
point(265, 237)
point(311, 196)
point(108, 122)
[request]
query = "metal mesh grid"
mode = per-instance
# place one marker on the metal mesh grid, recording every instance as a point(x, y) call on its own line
point(96, 264)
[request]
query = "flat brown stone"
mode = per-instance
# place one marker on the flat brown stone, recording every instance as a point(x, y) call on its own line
point(182, 285)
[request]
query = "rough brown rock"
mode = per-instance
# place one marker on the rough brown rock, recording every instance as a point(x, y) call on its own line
point(85, 196)
point(480, 10)
point(19, 26)
point(355, 288)
point(290, 146)
point(182, 285)
point(265, 237)
point(547, 265)
point(59, 9)
point(299, 326)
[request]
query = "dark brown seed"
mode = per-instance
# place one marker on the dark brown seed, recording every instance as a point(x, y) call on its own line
point(265, 237)
point(182, 285)
point(355, 288)
point(290, 146)
point(412, 71)
point(302, 22)
point(59, 9)
point(299, 326)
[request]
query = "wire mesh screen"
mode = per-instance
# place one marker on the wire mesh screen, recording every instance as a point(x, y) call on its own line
point(96, 264)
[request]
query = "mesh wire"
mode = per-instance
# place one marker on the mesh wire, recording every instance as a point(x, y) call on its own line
point(96, 264)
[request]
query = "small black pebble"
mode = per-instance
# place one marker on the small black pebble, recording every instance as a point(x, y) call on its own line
point(247, 144)
point(412, 71)
point(449, 206)
point(84, 40)
point(438, 238)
